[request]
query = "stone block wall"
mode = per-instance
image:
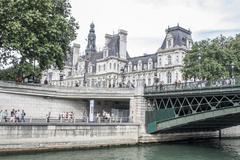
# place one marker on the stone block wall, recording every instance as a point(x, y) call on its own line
point(38, 106)
point(35, 137)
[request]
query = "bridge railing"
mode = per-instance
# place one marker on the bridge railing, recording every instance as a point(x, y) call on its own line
point(84, 120)
point(193, 85)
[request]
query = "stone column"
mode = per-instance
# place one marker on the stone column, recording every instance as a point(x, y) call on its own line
point(138, 107)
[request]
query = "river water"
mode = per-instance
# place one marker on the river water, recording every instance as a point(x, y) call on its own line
point(210, 150)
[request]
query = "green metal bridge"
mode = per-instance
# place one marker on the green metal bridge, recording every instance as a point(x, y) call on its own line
point(192, 107)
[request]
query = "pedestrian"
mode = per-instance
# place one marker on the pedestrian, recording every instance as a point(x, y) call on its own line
point(12, 114)
point(48, 117)
point(18, 116)
point(5, 114)
point(1, 115)
point(23, 114)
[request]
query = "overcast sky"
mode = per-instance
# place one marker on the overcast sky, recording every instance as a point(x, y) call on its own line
point(146, 20)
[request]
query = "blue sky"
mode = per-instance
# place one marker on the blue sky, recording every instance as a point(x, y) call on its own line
point(146, 20)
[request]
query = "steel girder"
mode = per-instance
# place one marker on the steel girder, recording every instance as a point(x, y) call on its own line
point(193, 104)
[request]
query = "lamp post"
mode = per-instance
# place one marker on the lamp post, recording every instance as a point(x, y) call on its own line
point(61, 78)
point(232, 70)
point(199, 61)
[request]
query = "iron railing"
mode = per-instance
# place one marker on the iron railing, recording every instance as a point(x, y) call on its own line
point(222, 83)
point(84, 120)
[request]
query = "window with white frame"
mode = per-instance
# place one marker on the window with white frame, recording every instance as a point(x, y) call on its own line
point(150, 64)
point(139, 65)
point(169, 59)
point(169, 77)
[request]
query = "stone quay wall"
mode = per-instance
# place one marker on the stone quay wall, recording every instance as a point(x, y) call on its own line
point(29, 137)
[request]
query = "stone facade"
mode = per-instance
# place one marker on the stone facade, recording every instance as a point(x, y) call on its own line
point(113, 67)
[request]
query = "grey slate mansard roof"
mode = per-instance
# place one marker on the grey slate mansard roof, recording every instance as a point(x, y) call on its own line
point(144, 59)
point(179, 35)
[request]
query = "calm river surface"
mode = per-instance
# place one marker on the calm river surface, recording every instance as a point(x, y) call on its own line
point(211, 150)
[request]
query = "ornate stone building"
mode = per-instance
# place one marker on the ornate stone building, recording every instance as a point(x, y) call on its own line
point(113, 67)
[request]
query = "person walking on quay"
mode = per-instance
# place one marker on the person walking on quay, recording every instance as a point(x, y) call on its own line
point(4, 115)
point(12, 114)
point(18, 116)
point(48, 117)
point(1, 115)
point(23, 114)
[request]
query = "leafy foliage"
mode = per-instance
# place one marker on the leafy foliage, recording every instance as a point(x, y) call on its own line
point(213, 59)
point(35, 32)
point(11, 73)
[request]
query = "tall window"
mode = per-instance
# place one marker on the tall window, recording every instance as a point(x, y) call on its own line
point(169, 58)
point(160, 61)
point(177, 59)
point(169, 77)
point(110, 66)
point(114, 66)
point(149, 81)
point(104, 67)
point(150, 63)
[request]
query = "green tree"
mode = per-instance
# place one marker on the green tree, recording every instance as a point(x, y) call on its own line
point(28, 71)
point(211, 59)
point(35, 32)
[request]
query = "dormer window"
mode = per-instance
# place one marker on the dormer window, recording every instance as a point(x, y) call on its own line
point(105, 53)
point(150, 64)
point(159, 61)
point(130, 67)
point(139, 65)
point(169, 43)
point(184, 41)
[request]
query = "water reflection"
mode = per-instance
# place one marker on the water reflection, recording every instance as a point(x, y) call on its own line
point(210, 150)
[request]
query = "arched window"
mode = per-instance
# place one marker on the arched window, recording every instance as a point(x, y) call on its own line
point(169, 77)
point(177, 59)
point(169, 59)
point(114, 66)
point(104, 67)
point(110, 66)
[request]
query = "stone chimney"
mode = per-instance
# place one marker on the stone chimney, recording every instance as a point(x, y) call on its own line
point(122, 43)
point(107, 38)
point(76, 53)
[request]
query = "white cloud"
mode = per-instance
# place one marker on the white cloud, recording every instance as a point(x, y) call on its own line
point(146, 20)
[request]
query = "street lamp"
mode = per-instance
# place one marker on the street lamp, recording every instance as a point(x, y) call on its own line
point(232, 70)
point(199, 61)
